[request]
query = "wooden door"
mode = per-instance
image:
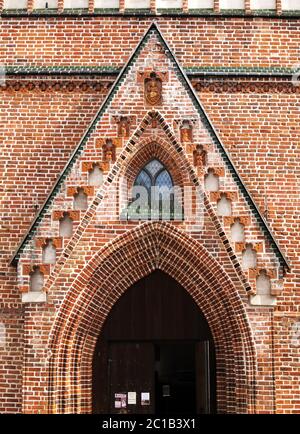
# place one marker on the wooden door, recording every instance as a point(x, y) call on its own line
point(156, 310)
point(203, 385)
point(131, 371)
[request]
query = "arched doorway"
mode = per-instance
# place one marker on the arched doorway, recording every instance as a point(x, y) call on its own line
point(155, 353)
point(108, 275)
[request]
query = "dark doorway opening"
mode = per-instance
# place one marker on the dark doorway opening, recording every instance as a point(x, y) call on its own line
point(175, 379)
point(155, 353)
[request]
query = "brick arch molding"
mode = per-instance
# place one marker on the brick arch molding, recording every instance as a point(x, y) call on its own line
point(156, 147)
point(118, 265)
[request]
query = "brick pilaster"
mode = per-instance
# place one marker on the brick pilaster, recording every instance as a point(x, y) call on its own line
point(247, 6)
point(91, 6)
point(60, 5)
point(279, 6)
point(185, 5)
point(153, 5)
point(122, 6)
point(216, 5)
point(30, 5)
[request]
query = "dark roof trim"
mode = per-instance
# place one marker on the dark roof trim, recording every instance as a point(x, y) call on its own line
point(146, 13)
point(206, 119)
point(16, 70)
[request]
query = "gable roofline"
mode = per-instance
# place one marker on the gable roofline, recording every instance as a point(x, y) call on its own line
point(203, 114)
point(225, 153)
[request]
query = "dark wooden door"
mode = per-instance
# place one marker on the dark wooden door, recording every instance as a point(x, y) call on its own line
point(155, 313)
point(203, 377)
point(131, 372)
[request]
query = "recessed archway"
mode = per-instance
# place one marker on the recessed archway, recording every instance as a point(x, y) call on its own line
point(150, 246)
point(155, 342)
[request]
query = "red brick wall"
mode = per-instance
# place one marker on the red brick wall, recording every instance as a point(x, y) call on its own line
point(261, 133)
point(212, 41)
point(41, 128)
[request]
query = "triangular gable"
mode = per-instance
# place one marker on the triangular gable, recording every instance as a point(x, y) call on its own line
point(206, 121)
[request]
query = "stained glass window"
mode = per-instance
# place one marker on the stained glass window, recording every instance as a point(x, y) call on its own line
point(154, 174)
point(153, 194)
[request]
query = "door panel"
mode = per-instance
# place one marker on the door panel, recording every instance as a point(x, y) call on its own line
point(203, 377)
point(155, 312)
point(175, 378)
point(131, 370)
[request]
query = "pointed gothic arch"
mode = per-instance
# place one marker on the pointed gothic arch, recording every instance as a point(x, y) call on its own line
point(131, 256)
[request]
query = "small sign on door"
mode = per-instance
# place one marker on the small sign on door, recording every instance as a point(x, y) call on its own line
point(131, 398)
point(145, 398)
point(166, 390)
point(120, 400)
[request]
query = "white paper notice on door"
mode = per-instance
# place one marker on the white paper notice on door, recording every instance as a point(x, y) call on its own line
point(145, 398)
point(131, 398)
point(120, 400)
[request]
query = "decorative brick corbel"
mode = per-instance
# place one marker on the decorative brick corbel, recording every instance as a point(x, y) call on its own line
point(27, 269)
point(200, 171)
point(254, 272)
point(24, 289)
point(191, 147)
point(232, 195)
point(142, 75)
point(240, 247)
point(41, 242)
point(87, 166)
point(230, 220)
point(219, 171)
point(116, 141)
point(244, 220)
point(216, 195)
point(59, 214)
point(123, 123)
point(89, 190)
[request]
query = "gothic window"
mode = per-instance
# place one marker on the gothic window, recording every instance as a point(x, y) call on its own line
point(154, 174)
point(153, 194)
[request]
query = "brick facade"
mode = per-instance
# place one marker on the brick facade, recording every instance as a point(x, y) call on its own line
point(48, 347)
